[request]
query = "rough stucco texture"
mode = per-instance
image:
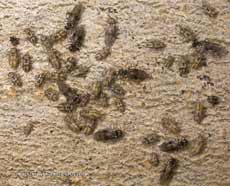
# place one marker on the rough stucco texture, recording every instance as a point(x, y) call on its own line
point(51, 147)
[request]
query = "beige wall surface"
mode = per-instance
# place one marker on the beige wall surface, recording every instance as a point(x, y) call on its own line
point(54, 149)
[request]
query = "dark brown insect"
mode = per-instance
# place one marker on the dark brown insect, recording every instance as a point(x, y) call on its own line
point(26, 62)
point(214, 100)
point(28, 129)
point(151, 139)
point(55, 58)
point(154, 44)
point(133, 74)
point(14, 58)
point(103, 53)
point(66, 107)
point(52, 94)
point(15, 79)
point(198, 145)
point(40, 79)
point(209, 10)
point(72, 123)
point(111, 32)
point(70, 64)
point(209, 47)
point(174, 145)
point(118, 90)
point(73, 17)
point(200, 112)
point(58, 36)
point(108, 134)
point(31, 36)
point(170, 124)
point(77, 38)
point(14, 41)
point(168, 171)
point(186, 33)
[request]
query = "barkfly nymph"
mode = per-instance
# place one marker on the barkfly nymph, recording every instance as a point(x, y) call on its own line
point(31, 36)
point(170, 124)
point(151, 139)
point(55, 58)
point(198, 145)
point(209, 10)
point(103, 53)
point(200, 112)
point(72, 122)
point(14, 58)
point(186, 33)
point(15, 79)
point(111, 32)
point(26, 62)
point(40, 79)
point(52, 94)
point(154, 44)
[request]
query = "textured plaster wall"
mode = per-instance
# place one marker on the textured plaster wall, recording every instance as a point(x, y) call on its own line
point(52, 147)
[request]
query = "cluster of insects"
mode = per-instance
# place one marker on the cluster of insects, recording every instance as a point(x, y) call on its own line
point(201, 50)
point(111, 34)
point(78, 107)
point(16, 59)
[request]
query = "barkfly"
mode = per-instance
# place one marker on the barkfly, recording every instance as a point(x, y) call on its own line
point(151, 139)
point(170, 124)
point(200, 112)
point(108, 134)
point(73, 17)
point(156, 44)
point(52, 94)
point(133, 74)
point(198, 145)
point(168, 171)
point(15, 79)
point(77, 38)
point(103, 53)
point(186, 33)
point(111, 32)
point(174, 145)
point(209, 10)
point(40, 79)
point(31, 36)
point(14, 58)
point(26, 62)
